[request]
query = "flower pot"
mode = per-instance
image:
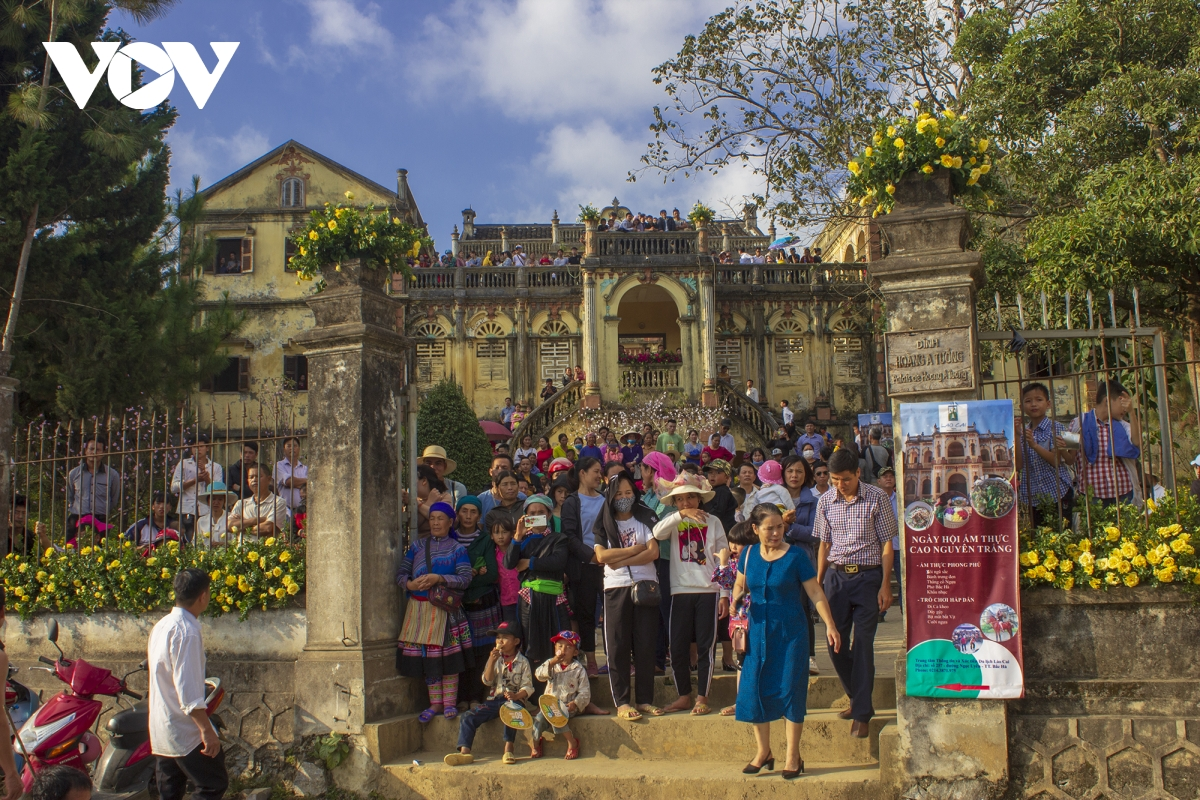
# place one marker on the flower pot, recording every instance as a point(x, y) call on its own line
point(348, 273)
point(917, 189)
point(926, 220)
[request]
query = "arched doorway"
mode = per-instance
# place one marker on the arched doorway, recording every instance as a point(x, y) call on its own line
point(649, 340)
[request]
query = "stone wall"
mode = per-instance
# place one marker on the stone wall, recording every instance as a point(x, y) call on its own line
point(1112, 704)
point(255, 661)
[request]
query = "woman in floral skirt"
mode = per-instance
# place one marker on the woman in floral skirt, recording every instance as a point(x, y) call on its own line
point(432, 561)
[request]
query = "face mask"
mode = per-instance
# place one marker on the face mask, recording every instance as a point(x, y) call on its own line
point(809, 455)
point(757, 462)
point(623, 505)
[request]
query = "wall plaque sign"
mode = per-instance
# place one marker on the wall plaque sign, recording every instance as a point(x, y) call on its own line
point(930, 361)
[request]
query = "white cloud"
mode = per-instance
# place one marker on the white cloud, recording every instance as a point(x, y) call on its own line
point(340, 23)
point(545, 59)
point(212, 157)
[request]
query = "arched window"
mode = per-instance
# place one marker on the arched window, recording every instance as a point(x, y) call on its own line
point(928, 457)
point(291, 193)
point(555, 327)
point(848, 257)
point(954, 450)
point(926, 488)
point(430, 330)
point(1001, 455)
point(489, 329)
point(958, 483)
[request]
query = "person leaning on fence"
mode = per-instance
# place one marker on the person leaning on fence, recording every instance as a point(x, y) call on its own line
point(212, 528)
point(1111, 446)
point(147, 529)
point(93, 487)
point(1042, 459)
point(24, 538)
point(261, 514)
point(236, 474)
point(190, 480)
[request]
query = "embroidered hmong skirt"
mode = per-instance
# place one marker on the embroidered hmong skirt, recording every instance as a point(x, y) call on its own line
point(452, 657)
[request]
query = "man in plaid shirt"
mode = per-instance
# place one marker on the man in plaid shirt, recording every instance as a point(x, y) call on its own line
point(855, 524)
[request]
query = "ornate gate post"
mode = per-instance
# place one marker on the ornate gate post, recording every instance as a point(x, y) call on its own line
point(347, 675)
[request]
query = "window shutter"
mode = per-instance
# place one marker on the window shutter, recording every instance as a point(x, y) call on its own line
point(243, 374)
point(247, 254)
point(206, 385)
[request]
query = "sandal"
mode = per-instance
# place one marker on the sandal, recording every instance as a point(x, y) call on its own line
point(629, 715)
point(653, 711)
point(450, 712)
point(573, 752)
point(728, 711)
point(535, 749)
point(508, 758)
point(428, 714)
point(700, 709)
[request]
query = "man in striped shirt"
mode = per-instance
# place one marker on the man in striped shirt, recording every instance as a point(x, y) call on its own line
point(855, 524)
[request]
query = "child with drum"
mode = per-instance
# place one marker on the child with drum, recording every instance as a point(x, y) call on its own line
point(568, 692)
point(511, 681)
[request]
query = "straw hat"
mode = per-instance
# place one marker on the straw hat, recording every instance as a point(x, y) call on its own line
point(435, 451)
point(688, 484)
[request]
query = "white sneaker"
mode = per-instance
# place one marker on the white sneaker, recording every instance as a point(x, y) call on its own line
point(813, 669)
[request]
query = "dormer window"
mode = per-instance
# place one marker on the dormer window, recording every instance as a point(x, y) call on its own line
point(292, 193)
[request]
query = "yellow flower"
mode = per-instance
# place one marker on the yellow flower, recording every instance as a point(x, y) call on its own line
point(940, 142)
point(293, 588)
point(280, 593)
point(41, 575)
point(957, 163)
point(983, 145)
point(1139, 561)
point(1030, 558)
point(312, 235)
point(878, 138)
point(984, 169)
point(338, 214)
point(262, 563)
point(1129, 549)
point(1051, 560)
point(870, 151)
point(128, 544)
point(22, 567)
point(1112, 534)
point(947, 160)
point(1067, 566)
point(151, 561)
point(287, 580)
point(277, 572)
point(252, 555)
point(285, 556)
point(927, 169)
point(1123, 567)
point(166, 573)
point(87, 551)
point(891, 189)
point(1085, 545)
point(891, 131)
point(332, 225)
point(216, 575)
point(230, 580)
point(225, 608)
point(395, 220)
point(1094, 583)
point(270, 542)
point(971, 160)
point(878, 210)
point(899, 143)
point(50, 586)
point(948, 114)
point(854, 167)
point(916, 103)
point(1068, 583)
point(1131, 579)
point(49, 552)
point(1112, 579)
point(349, 195)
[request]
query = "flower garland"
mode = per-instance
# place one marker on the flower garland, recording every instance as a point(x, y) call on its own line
point(116, 576)
point(649, 358)
point(923, 143)
point(1144, 549)
point(337, 233)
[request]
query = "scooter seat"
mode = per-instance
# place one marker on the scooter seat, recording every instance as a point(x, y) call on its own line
point(133, 720)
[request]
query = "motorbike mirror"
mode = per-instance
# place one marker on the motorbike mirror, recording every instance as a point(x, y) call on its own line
point(143, 665)
point(52, 630)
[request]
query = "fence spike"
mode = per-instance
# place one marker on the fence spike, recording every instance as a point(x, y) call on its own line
point(1045, 317)
point(1021, 310)
point(999, 319)
point(1068, 297)
point(1091, 310)
point(1112, 308)
point(1137, 310)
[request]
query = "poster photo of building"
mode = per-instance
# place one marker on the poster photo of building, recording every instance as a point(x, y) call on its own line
point(955, 445)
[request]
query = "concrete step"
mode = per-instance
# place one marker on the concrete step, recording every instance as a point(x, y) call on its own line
point(676, 737)
point(551, 778)
point(824, 691)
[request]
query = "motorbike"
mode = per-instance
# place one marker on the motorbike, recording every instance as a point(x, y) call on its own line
point(60, 731)
point(21, 703)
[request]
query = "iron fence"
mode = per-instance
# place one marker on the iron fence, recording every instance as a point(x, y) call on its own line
point(1073, 362)
point(111, 467)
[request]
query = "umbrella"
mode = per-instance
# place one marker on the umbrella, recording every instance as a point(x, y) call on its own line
point(496, 432)
point(779, 244)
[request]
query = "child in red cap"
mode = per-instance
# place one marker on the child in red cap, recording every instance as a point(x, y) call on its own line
point(566, 681)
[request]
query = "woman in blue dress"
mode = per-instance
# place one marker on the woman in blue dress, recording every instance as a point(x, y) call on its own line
point(774, 680)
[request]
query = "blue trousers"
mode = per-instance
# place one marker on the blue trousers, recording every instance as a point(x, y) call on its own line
point(854, 604)
point(469, 722)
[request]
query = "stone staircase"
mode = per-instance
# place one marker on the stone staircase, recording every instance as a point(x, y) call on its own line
point(652, 758)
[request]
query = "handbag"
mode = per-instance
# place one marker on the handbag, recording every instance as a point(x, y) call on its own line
point(441, 595)
point(739, 633)
point(647, 594)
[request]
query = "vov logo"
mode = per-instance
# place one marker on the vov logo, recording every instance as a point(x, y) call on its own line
point(172, 57)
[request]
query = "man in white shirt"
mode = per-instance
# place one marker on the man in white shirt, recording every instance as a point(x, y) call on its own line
point(627, 224)
point(786, 412)
point(758, 257)
point(751, 392)
point(727, 437)
point(190, 480)
point(744, 257)
point(290, 474)
point(181, 735)
point(518, 256)
point(261, 514)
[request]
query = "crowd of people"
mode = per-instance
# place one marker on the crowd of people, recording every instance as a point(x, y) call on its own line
point(661, 545)
point(201, 503)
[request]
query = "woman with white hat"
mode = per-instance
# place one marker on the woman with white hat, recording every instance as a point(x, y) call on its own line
point(697, 601)
point(434, 456)
point(211, 525)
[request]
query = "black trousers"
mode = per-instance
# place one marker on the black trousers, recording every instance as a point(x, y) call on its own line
point(584, 593)
point(693, 619)
point(663, 645)
point(629, 630)
point(208, 774)
point(854, 603)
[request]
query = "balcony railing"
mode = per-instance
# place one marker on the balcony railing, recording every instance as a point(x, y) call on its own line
point(490, 278)
point(622, 243)
point(658, 376)
point(542, 277)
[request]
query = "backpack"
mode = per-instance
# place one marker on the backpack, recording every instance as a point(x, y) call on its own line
point(875, 462)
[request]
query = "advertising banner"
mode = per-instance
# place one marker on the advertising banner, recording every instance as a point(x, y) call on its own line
point(961, 593)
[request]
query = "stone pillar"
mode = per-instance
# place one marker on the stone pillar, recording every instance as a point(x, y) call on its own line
point(589, 237)
point(701, 239)
point(522, 388)
point(590, 324)
point(504, 239)
point(554, 228)
point(458, 344)
point(346, 676)
point(725, 237)
point(929, 281)
point(708, 341)
point(759, 321)
point(454, 241)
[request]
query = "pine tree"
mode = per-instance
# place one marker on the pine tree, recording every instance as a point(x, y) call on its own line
point(445, 418)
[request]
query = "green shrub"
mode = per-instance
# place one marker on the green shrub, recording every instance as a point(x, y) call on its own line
point(445, 418)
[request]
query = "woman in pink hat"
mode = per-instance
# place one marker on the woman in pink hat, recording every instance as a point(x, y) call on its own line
point(772, 490)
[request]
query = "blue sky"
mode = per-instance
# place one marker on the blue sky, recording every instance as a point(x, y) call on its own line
point(988, 416)
point(513, 107)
